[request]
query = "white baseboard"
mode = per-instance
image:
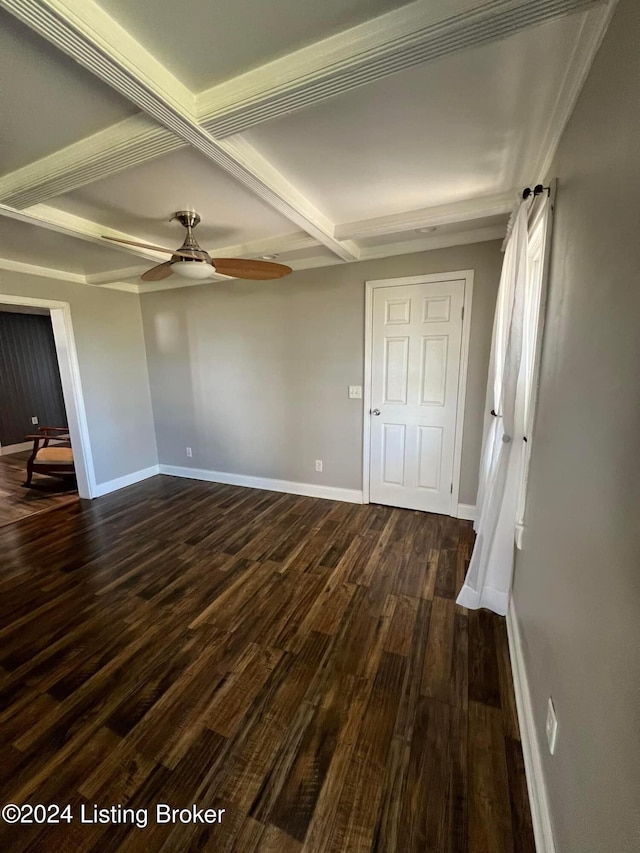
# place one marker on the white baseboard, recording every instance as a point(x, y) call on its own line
point(128, 480)
point(538, 799)
point(15, 448)
point(467, 511)
point(309, 490)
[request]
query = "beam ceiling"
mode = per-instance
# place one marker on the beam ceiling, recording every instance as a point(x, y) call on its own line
point(173, 116)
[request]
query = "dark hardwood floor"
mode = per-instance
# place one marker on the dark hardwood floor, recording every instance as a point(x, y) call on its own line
point(299, 663)
point(16, 502)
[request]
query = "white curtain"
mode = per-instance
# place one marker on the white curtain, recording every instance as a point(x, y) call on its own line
point(488, 580)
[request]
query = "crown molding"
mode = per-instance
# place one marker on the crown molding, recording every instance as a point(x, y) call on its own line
point(61, 275)
point(83, 31)
point(124, 286)
point(114, 280)
point(127, 143)
point(438, 241)
point(42, 272)
point(99, 278)
point(589, 40)
point(442, 214)
point(176, 283)
point(443, 241)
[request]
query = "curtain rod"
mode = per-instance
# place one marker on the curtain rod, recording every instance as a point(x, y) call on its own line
point(537, 190)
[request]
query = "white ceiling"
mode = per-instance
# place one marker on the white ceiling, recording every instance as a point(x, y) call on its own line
point(438, 133)
point(204, 43)
point(23, 243)
point(141, 200)
point(318, 132)
point(46, 100)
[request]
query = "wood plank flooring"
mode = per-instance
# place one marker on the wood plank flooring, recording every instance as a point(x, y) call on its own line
point(16, 502)
point(299, 663)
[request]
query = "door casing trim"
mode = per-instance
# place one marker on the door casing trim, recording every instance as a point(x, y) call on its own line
point(370, 287)
point(68, 364)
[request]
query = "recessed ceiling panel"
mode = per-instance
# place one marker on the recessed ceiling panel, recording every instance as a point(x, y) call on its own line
point(41, 247)
point(204, 42)
point(141, 201)
point(472, 124)
point(47, 101)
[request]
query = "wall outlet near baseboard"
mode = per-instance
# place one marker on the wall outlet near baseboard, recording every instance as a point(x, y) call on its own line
point(34, 420)
point(551, 726)
point(189, 451)
point(319, 465)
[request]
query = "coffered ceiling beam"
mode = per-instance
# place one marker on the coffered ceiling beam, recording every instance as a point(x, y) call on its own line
point(127, 143)
point(85, 32)
point(379, 47)
point(428, 217)
point(416, 33)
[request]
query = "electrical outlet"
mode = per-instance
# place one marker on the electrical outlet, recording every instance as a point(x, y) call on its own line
point(34, 420)
point(318, 464)
point(189, 453)
point(355, 392)
point(551, 726)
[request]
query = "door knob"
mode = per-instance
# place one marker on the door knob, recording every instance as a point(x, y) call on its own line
point(375, 411)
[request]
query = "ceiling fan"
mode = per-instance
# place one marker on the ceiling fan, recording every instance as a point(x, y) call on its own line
point(190, 261)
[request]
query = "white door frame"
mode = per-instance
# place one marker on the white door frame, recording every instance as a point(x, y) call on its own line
point(370, 286)
point(71, 386)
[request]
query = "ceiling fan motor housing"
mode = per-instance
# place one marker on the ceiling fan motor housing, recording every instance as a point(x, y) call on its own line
point(189, 219)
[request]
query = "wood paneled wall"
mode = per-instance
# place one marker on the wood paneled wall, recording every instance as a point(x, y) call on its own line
point(29, 376)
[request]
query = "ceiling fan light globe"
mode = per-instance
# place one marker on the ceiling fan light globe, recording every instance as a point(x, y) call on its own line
point(192, 269)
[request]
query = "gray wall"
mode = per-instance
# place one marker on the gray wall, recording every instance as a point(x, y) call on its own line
point(577, 582)
point(108, 333)
point(253, 376)
point(29, 376)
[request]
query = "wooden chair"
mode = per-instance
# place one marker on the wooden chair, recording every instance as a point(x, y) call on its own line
point(56, 460)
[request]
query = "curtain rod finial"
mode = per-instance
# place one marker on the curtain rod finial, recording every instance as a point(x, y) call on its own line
point(537, 190)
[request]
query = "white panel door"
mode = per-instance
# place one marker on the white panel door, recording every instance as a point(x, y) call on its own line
point(415, 367)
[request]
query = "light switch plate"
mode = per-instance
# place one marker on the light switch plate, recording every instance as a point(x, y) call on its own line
point(355, 392)
point(34, 420)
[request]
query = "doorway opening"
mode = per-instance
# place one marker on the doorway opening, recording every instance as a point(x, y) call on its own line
point(417, 331)
point(51, 382)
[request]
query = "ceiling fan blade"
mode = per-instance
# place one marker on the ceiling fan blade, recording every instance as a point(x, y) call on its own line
point(140, 245)
point(175, 252)
point(249, 268)
point(158, 272)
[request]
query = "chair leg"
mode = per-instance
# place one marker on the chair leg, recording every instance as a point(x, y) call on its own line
point(29, 474)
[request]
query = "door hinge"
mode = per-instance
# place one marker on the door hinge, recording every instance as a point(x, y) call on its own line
point(451, 490)
point(462, 315)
